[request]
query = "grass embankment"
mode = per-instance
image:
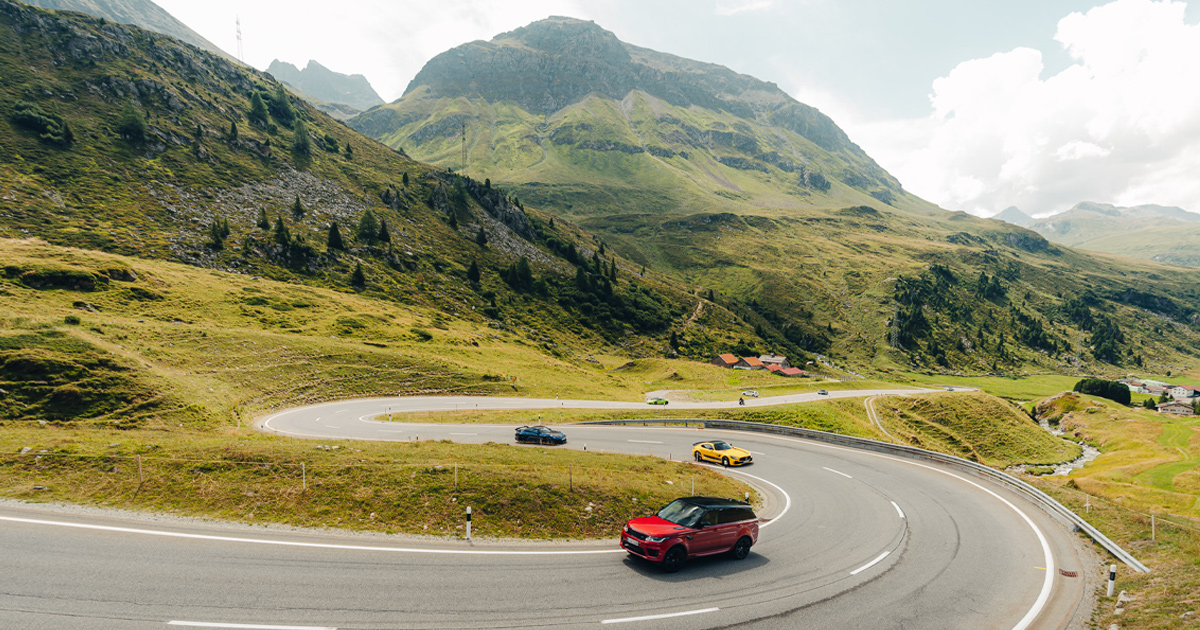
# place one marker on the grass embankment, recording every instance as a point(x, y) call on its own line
point(525, 492)
point(1150, 465)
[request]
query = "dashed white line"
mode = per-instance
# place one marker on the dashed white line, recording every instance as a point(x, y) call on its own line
point(898, 510)
point(251, 626)
point(870, 564)
point(643, 441)
point(330, 426)
point(837, 471)
point(665, 616)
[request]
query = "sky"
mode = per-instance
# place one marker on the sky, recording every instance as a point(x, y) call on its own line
point(975, 105)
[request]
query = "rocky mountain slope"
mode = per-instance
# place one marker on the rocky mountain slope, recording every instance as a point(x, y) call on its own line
point(1163, 233)
point(143, 13)
point(327, 86)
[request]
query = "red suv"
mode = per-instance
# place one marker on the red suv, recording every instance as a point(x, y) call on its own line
point(692, 527)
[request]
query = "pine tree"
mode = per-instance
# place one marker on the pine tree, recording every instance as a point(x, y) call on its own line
point(404, 178)
point(674, 341)
point(216, 235)
point(358, 279)
point(281, 107)
point(281, 235)
point(385, 234)
point(301, 143)
point(132, 125)
point(233, 131)
point(258, 110)
point(368, 228)
point(481, 238)
point(349, 151)
point(551, 221)
point(612, 270)
point(453, 221)
point(487, 183)
point(523, 274)
point(473, 273)
point(297, 208)
point(334, 241)
point(263, 221)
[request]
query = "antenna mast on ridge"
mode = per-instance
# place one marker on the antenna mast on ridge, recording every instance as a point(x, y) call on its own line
point(238, 21)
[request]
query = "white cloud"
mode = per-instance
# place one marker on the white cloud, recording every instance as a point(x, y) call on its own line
point(1120, 124)
point(733, 7)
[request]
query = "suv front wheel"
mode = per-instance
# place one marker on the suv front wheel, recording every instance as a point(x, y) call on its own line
point(673, 560)
point(741, 548)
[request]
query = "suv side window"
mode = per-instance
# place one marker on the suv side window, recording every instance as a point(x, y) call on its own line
point(733, 515)
point(710, 518)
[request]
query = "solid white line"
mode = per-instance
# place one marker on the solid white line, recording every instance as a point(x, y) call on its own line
point(643, 441)
point(289, 543)
point(898, 510)
point(870, 564)
point(666, 616)
point(330, 426)
point(205, 624)
point(787, 498)
point(838, 472)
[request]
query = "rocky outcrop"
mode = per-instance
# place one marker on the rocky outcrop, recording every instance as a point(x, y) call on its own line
point(328, 86)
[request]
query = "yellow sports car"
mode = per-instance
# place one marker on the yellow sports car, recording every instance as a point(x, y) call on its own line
point(722, 453)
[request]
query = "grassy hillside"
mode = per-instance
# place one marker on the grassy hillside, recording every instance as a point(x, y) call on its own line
point(709, 177)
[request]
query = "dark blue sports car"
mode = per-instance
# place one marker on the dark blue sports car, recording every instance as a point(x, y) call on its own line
point(540, 435)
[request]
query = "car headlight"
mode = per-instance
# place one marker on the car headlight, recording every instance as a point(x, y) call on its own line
point(656, 539)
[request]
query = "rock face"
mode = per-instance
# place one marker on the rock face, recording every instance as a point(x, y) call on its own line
point(579, 122)
point(557, 61)
point(324, 84)
point(141, 13)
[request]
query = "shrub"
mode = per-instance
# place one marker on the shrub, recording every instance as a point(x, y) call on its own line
point(72, 320)
point(50, 128)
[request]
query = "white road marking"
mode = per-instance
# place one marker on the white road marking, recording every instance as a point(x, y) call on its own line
point(838, 472)
point(330, 426)
point(643, 441)
point(870, 564)
point(898, 510)
point(755, 453)
point(1047, 583)
point(666, 616)
point(205, 624)
point(392, 431)
point(290, 543)
point(787, 498)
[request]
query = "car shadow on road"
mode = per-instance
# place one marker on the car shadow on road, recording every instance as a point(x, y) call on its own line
point(719, 566)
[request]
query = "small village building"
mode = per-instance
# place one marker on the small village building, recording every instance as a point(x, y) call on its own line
point(725, 360)
point(770, 359)
point(1176, 407)
point(1136, 387)
point(1153, 383)
point(750, 363)
point(771, 367)
point(1184, 392)
point(793, 371)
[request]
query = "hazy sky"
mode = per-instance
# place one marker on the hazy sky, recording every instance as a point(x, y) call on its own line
point(973, 104)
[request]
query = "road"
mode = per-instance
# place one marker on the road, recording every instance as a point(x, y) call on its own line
point(852, 540)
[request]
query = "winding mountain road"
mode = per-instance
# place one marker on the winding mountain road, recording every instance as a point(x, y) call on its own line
point(853, 540)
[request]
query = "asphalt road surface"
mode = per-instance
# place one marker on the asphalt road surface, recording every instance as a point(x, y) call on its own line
point(851, 540)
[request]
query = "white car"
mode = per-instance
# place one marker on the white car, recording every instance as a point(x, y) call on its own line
point(751, 393)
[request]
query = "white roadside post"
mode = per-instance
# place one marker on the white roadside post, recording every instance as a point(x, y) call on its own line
point(1112, 578)
point(469, 533)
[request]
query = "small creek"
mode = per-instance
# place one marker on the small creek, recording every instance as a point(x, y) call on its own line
point(1062, 470)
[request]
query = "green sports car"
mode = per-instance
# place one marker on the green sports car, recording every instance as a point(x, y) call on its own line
point(656, 401)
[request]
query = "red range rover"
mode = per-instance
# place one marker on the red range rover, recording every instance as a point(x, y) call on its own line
point(692, 527)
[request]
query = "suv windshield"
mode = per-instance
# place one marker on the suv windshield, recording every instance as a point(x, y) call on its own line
point(682, 513)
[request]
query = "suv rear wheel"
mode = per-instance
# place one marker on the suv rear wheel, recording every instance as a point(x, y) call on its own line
point(673, 561)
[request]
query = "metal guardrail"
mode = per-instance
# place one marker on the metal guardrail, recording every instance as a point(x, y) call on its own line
point(1041, 499)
